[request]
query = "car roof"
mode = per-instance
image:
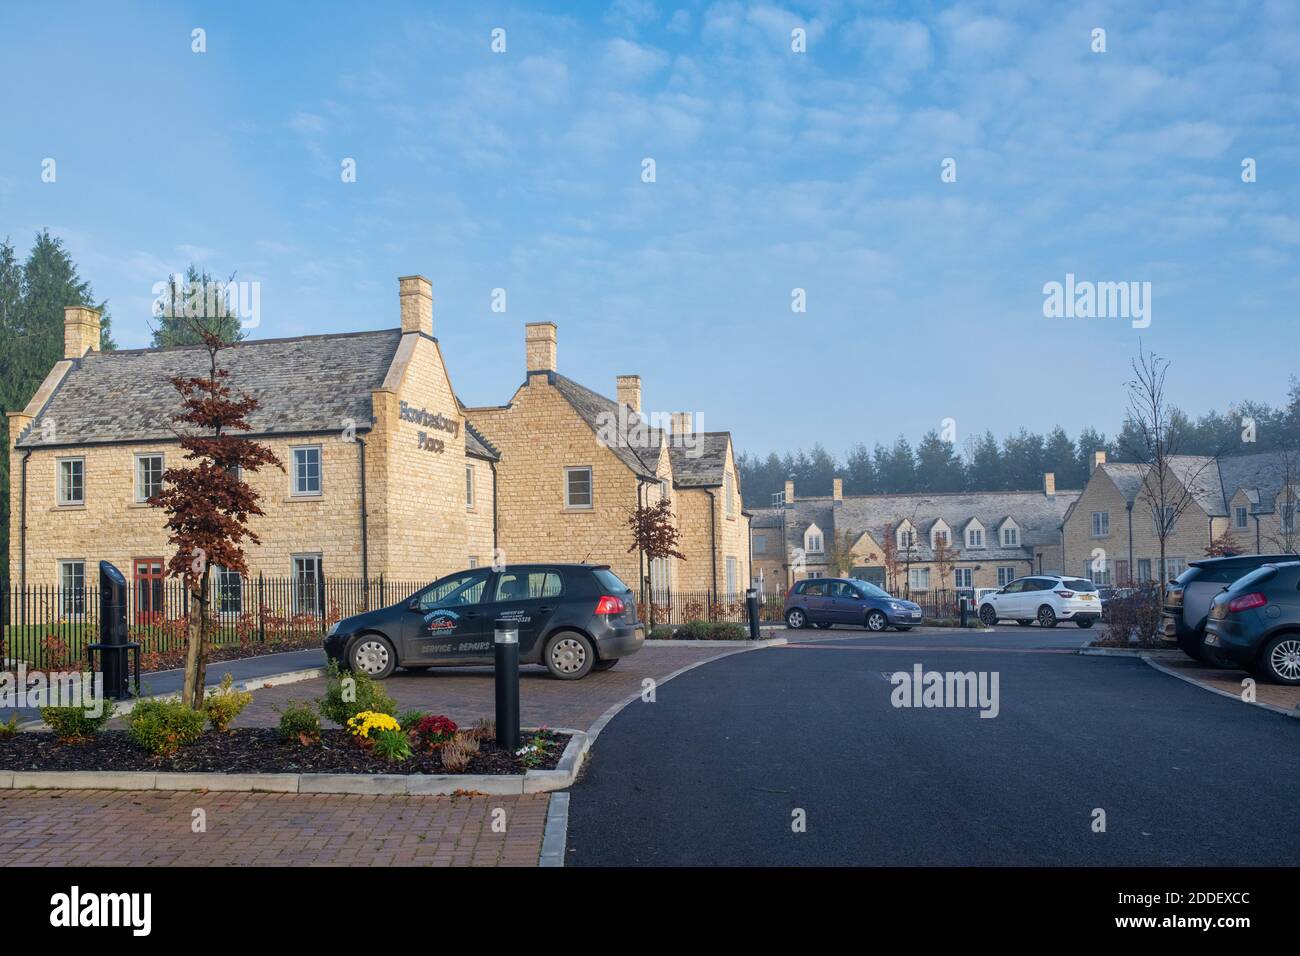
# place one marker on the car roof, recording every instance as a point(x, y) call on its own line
point(1243, 559)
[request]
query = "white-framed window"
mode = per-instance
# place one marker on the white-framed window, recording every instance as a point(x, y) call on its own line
point(1101, 524)
point(906, 538)
point(473, 560)
point(1163, 517)
point(1098, 572)
point(938, 536)
point(974, 537)
point(1288, 518)
point(148, 476)
point(469, 487)
point(918, 579)
point(72, 481)
point(1240, 518)
point(760, 543)
point(1174, 567)
point(729, 494)
point(230, 591)
point(816, 574)
point(812, 540)
point(306, 470)
point(72, 588)
point(1010, 536)
point(306, 583)
point(664, 491)
point(577, 487)
point(962, 577)
point(733, 568)
point(659, 575)
point(1144, 570)
point(1006, 576)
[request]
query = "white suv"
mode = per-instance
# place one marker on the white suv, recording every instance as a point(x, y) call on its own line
point(1045, 598)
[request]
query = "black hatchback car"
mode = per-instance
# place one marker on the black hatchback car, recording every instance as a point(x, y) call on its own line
point(572, 618)
point(1256, 623)
point(1187, 598)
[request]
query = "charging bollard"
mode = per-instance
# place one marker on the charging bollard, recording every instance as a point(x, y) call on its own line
point(964, 609)
point(751, 602)
point(507, 683)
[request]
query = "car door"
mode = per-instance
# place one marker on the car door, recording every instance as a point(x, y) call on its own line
point(445, 621)
point(847, 604)
point(529, 596)
point(816, 602)
point(1010, 600)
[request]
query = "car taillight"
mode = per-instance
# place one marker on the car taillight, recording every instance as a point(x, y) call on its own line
point(1247, 601)
point(1174, 597)
point(1065, 593)
point(609, 605)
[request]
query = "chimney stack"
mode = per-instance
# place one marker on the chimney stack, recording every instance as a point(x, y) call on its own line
point(789, 492)
point(837, 490)
point(629, 391)
point(80, 331)
point(539, 347)
point(682, 423)
point(1098, 458)
point(1049, 483)
point(416, 293)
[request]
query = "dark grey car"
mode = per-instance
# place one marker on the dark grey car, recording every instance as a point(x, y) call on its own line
point(1256, 623)
point(1187, 598)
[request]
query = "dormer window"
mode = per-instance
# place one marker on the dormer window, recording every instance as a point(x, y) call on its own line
point(1010, 536)
point(974, 537)
point(907, 536)
point(812, 540)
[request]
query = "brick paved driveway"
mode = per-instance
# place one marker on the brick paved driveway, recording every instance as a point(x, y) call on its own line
point(1230, 680)
point(59, 828)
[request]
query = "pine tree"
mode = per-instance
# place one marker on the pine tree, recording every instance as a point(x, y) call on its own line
point(197, 295)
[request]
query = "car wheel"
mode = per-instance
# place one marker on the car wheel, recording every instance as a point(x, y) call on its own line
point(823, 625)
point(796, 618)
point(604, 665)
point(988, 616)
point(876, 621)
point(569, 655)
point(1024, 621)
point(1046, 617)
point(1280, 660)
point(373, 656)
point(1084, 622)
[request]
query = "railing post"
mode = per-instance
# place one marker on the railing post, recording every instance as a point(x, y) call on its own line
point(261, 610)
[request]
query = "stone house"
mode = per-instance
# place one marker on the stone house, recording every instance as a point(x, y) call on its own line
point(574, 464)
point(991, 537)
point(1112, 532)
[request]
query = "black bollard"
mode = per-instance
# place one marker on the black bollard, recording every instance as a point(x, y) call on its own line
point(963, 605)
point(751, 602)
point(113, 647)
point(507, 683)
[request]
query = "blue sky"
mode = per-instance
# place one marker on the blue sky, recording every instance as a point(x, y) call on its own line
point(775, 171)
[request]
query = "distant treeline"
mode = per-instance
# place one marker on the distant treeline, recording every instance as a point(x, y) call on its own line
point(1017, 463)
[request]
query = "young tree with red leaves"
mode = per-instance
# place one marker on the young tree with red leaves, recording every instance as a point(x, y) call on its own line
point(208, 503)
point(654, 533)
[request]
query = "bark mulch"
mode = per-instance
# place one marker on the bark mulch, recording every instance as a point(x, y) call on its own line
point(255, 750)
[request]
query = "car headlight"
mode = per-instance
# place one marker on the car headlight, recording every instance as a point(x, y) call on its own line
point(334, 629)
point(895, 606)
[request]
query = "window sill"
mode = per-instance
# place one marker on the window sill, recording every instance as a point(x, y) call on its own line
point(578, 509)
point(316, 497)
point(80, 507)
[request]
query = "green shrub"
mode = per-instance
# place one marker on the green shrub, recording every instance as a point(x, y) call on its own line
point(409, 718)
point(72, 724)
point(661, 632)
point(224, 704)
point(9, 729)
point(366, 694)
point(392, 745)
point(299, 723)
point(162, 727)
point(712, 631)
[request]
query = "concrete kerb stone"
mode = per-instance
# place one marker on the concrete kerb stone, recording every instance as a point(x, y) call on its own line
point(555, 836)
point(1294, 712)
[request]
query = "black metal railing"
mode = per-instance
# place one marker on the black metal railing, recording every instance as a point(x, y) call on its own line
point(49, 626)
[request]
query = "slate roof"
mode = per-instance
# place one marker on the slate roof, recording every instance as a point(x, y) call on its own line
point(1039, 516)
point(700, 466)
point(478, 446)
point(308, 384)
point(1212, 484)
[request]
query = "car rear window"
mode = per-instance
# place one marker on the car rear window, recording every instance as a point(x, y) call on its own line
point(610, 581)
point(1078, 584)
point(1258, 576)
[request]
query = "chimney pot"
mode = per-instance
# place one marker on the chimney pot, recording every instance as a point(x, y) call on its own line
point(539, 346)
point(629, 391)
point(80, 331)
point(416, 294)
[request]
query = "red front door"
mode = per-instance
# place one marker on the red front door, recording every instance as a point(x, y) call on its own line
point(149, 590)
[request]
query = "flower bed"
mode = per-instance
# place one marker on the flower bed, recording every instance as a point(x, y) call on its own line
point(265, 750)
